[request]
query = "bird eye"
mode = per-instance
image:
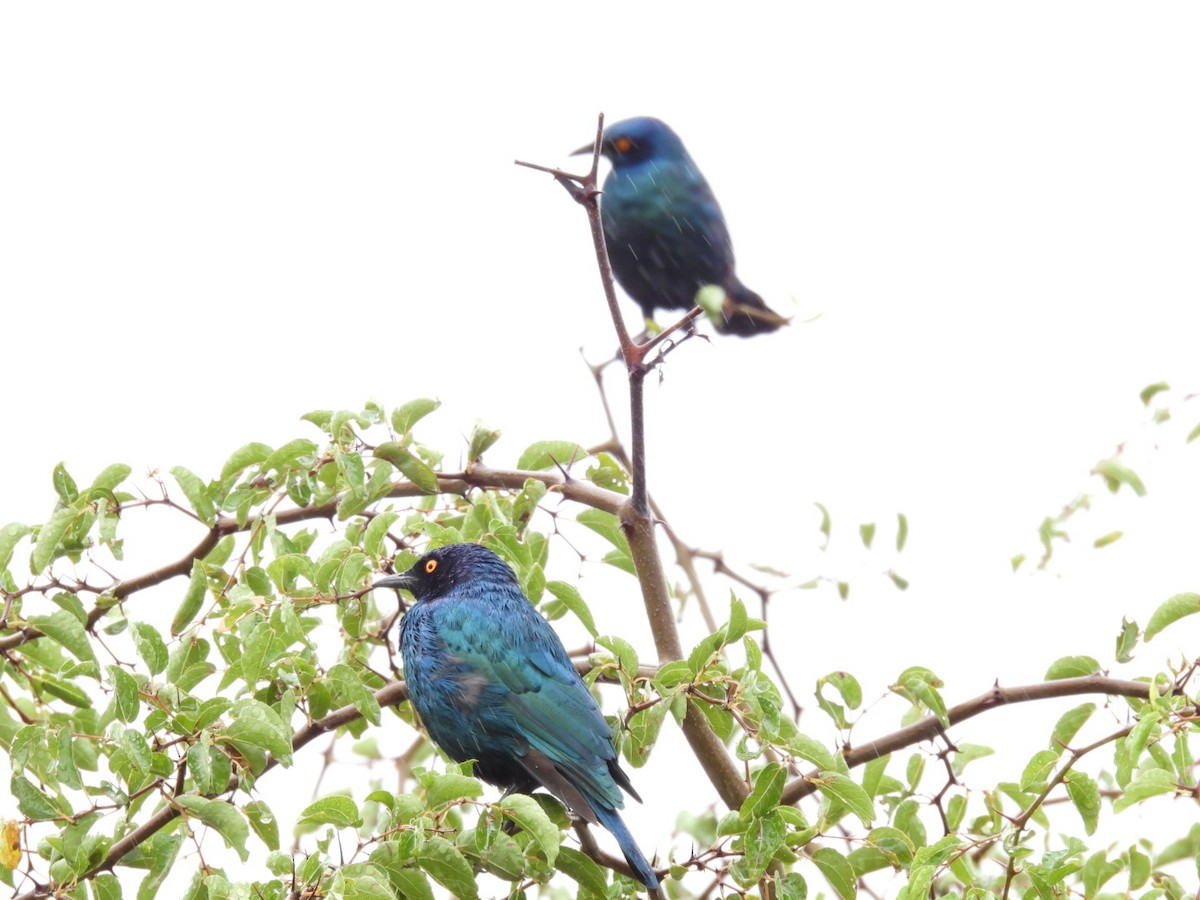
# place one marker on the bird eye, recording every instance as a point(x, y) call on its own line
point(430, 566)
point(623, 144)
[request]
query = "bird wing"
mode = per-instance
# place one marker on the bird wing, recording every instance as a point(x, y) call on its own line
point(545, 701)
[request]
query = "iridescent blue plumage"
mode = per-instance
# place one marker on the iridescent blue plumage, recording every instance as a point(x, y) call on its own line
point(492, 682)
point(665, 232)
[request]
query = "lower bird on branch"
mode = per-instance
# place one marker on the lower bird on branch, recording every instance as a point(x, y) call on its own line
point(493, 683)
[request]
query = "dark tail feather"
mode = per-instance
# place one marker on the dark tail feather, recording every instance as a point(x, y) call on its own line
point(746, 314)
point(612, 820)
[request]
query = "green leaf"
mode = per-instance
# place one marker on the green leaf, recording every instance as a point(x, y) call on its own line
point(448, 867)
point(866, 532)
point(150, 646)
point(257, 726)
point(112, 476)
point(1149, 784)
point(767, 791)
point(956, 809)
point(739, 621)
point(644, 727)
point(764, 837)
point(850, 794)
point(413, 468)
point(10, 535)
point(1126, 640)
point(968, 753)
point(65, 629)
point(49, 537)
point(197, 494)
point(193, 599)
point(1039, 770)
point(528, 813)
point(360, 882)
point(826, 525)
point(920, 685)
point(158, 856)
point(1115, 473)
point(244, 457)
point(406, 416)
point(1096, 871)
point(846, 685)
point(63, 690)
point(792, 887)
point(209, 767)
point(340, 812)
point(837, 872)
point(442, 788)
point(68, 772)
point(550, 454)
point(126, 699)
point(1072, 667)
point(1069, 724)
point(222, 817)
point(1140, 868)
point(937, 853)
point(72, 604)
point(264, 823)
point(583, 870)
point(1104, 540)
point(351, 686)
point(32, 803)
point(1086, 796)
point(813, 750)
point(901, 532)
point(64, 485)
point(1150, 390)
point(569, 597)
point(1172, 611)
point(894, 844)
point(137, 749)
point(608, 527)
point(482, 438)
point(106, 886)
point(410, 884)
point(711, 299)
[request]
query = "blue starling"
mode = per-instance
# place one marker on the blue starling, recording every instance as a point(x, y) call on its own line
point(665, 232)
point(492, 682)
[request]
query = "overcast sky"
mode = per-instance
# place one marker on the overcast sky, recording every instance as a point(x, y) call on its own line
point(214, 218)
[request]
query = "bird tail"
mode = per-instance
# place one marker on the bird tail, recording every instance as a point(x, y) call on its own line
point(745, 314)
point(611, 819)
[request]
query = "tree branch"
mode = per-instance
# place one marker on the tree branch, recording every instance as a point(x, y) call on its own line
point(930, 727)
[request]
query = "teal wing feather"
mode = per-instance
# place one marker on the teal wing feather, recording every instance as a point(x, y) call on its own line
point(544, 698)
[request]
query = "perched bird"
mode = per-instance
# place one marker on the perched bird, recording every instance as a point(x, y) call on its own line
point(665, 232)
point(492, 683)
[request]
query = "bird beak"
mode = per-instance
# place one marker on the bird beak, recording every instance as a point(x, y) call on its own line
point(586, 148)
point(399, 582)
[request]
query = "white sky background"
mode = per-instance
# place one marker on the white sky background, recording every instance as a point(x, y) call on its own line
point(216, 218)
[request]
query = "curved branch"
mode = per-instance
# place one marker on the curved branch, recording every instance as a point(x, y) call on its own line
point(930, 727)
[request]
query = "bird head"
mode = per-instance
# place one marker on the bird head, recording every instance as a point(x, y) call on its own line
point(632, 141)
point(438, 572)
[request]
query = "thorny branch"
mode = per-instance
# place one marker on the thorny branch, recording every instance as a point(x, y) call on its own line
point(929, 727)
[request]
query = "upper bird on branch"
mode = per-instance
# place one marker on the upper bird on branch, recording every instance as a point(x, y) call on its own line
point(665, 232)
